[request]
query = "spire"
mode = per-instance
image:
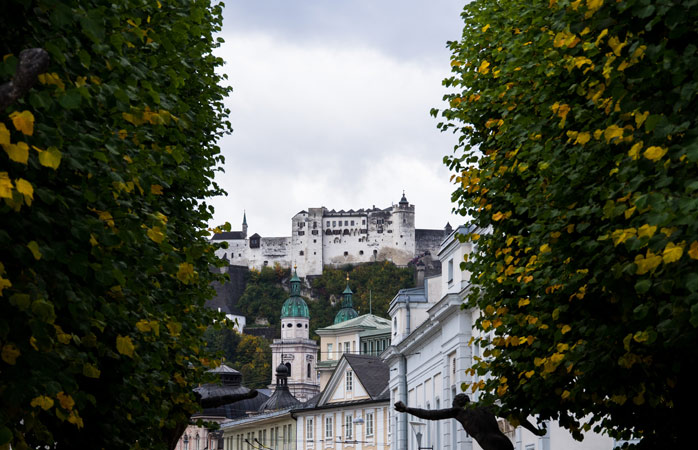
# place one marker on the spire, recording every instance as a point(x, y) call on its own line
point(244, 224)
point(347, 312)
point(403, 200)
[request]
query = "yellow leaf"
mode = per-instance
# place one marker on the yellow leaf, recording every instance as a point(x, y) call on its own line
point(50, 158)
point(66, 401)
point(18, 152)
point(640, 118)
point(156, 234)
point(629, 212)
point(90, 371)
point(530, 373)
point(524, 302)
point(10, 352)
point(42, 401)
point(545, 248)
point(25, 188)
point(612, 132)
point(565, 394)
point(655, 153)
point(34, 248)
point(616, 45)
point(620, 399)
point(566, 329)
point(634, 151)
point(647, 263)
point(124, 345)
point(179, 379)
point(93, 240)
point(672, 252)
point(646, 231)
point(175, 328)
point(484, 67)
point(156, 189)
point(693, 250)
point(583, 138)
point(23, 121)
point(185, 273)
point(5, 185)
point(75, 419)
point(497, 216)
point(4, 135)
point(143, 326)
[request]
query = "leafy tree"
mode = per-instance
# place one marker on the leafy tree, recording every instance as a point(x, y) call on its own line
point(577, 153)
point(264, 294)
point(104, 258)
point(251, 355)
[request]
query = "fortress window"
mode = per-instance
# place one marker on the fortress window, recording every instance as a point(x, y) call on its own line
point(346, 253)
point(328, 223)
point(306, 325)
point(361, 252)
point(314, 225)
point(334, 223)
point(363, 221)
point(314, 231)
point(301, 253)
point(240, 254)
point(346, 222)
point(314, 241)
point(314, 253)
point(299, 325)
point(352, 223)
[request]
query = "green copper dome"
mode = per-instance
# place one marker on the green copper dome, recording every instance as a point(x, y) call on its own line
point(347, 312)
point(295, 306)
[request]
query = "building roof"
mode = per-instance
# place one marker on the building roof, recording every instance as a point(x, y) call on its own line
point(364, 320)
point(415, 295)
point(230, 384)
point(372, 372)
point(282, 397)
point(295, 306)
point(228, 236)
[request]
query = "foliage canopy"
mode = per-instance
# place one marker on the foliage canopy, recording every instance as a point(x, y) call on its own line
point(577, 154)
point(104, 258)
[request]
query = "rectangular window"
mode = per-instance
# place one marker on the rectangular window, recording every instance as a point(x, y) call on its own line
point(352, 223)
point(334, 223)
point(328, 223)
point(363, 221)
point(347, 347)
point(369, 424)
point(328, 427)
point(329, 352)
point(346, 223)
point(350, 380)
point(348, 428)
point(450, 270)
point(309, 430)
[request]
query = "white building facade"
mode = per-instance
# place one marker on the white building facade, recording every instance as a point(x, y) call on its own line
point(429, 354)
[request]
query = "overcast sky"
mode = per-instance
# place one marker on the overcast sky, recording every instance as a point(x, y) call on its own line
point(331, 108)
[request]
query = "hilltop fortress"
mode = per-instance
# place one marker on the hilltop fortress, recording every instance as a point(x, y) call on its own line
point(322, 237)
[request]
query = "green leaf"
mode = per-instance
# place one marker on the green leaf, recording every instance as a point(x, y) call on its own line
point(71, 99)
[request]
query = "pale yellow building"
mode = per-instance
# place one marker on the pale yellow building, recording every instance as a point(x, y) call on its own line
point(352, 411)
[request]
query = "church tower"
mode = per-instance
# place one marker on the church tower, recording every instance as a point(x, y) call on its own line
point(295, 349)
point(244, 224)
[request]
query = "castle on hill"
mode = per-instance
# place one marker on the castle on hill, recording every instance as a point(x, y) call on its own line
point(322, 237)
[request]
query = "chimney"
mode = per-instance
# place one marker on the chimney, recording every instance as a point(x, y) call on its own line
point(420, 274)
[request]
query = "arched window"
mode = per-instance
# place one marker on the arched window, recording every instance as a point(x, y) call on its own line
point(186, 442)
point(288, 365)
point(197, 442)
point(308, 370)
